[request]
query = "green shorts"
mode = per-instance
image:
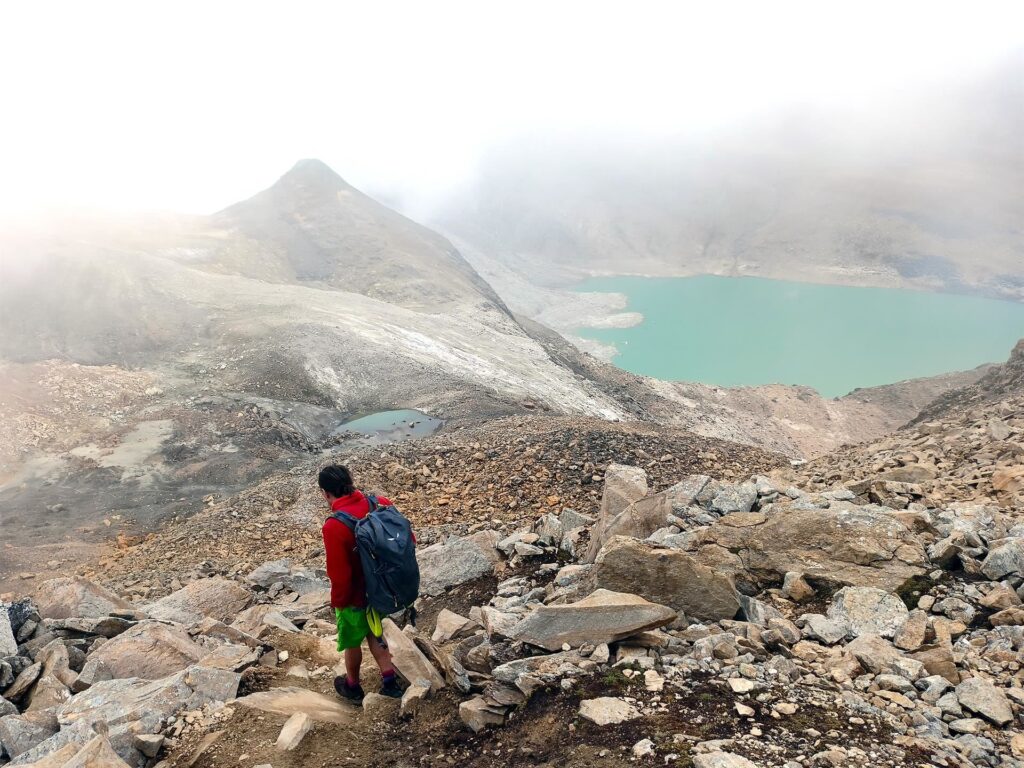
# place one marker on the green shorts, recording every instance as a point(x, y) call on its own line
point(352, 627)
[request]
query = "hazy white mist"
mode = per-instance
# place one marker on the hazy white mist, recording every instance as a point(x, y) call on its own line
point(191, 106)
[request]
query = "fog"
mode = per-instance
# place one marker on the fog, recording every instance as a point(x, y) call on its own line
point(190, 106)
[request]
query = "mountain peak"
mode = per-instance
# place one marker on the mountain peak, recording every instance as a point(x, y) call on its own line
point(312, 172)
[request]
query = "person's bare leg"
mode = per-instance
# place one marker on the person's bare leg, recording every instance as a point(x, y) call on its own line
point(353, 661)
point(380, 654)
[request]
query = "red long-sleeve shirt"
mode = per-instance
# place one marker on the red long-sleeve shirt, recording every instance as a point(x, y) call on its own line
point(343, 567)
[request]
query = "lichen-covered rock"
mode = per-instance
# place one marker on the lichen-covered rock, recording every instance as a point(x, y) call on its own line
point(866, 610)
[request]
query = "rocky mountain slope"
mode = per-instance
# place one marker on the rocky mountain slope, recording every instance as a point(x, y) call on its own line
point(967, 445)
point(684, 621)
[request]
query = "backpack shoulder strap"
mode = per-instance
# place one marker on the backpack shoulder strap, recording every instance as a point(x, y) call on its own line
point(374, 504)
point(346, 519)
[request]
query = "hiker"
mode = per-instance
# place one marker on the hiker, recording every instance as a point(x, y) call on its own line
point(348, 587)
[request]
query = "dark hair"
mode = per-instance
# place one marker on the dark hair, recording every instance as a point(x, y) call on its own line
point(336, 480)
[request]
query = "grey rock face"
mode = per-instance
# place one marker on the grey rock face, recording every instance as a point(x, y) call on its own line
point(866, 610)
point(216, 598)
point(735, 498)
point(666, 576)
point(982, 697)
point(601, 617)
point(76, 597)
point(456, 561)
point(8, 645)
point(20, 733)
point(1007, 559)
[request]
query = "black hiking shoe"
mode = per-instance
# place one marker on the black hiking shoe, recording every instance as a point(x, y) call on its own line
point(353, 693)
point(392, 689)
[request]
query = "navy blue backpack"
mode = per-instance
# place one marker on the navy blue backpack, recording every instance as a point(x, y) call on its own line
point(387, 552)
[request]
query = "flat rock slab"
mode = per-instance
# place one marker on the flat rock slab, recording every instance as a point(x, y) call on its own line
point(983, 698)
point(216, 598)
point(289, 701)
point(76, 597)
point(602, 617)
point(409, 659)
point(149, 650)
point(607, 710)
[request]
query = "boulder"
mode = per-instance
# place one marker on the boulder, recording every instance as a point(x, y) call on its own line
point(75, 597)
point(721, 760)
point(409, 660)
point(1005, 559)
point(858, 546)
point(868, 611)
point(911, 634)
point(20, 733)
point(23, 682)
point(601, 617)
point(130, 706)
point(938, 659)
point(294, 578)
point(8, 645)
point(533, 672)
point(983, 698)
point(149, 650)
point(289, 701)
point(623, 485)
point(216, 598)
point(735, 498)
point(478, 713)
point(294, 731)
point(98, 753)
point(449, 625)
point(874, 653)
point(607, 710)
point(55, 758)
point(456, 561)
point(639, 520)
point(670, 577)
point(688, 492)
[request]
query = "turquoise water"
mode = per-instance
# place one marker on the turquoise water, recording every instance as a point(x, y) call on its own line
point(741, 331)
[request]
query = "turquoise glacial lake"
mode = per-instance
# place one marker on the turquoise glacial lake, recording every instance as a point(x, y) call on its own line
point(733, 331)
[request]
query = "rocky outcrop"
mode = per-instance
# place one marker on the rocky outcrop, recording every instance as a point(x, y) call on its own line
point(666, 576)
point(858, 546)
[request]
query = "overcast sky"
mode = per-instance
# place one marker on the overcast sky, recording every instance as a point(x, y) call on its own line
point(191, 106)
